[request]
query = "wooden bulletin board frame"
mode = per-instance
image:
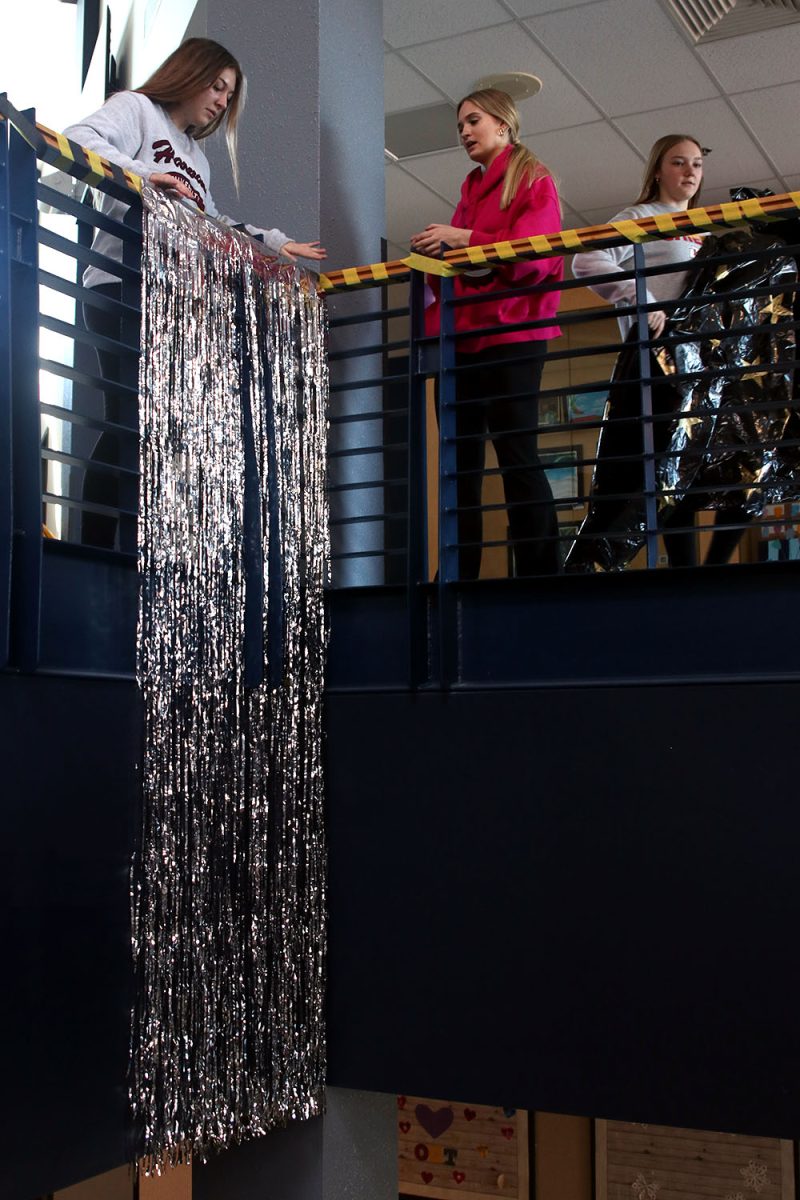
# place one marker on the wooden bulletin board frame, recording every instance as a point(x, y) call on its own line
point(465, 1188)
point(751, 1151)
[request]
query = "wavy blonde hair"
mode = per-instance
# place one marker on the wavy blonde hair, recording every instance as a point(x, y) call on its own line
point(650, 189)
point(523, 165)
point(194, 66)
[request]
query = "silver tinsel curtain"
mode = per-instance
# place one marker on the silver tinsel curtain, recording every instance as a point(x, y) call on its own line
point(229, 880)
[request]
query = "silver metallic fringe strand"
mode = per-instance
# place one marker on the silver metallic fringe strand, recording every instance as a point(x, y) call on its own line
point(228, 884)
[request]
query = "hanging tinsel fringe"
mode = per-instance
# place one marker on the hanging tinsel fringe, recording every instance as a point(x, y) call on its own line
point(228, 887)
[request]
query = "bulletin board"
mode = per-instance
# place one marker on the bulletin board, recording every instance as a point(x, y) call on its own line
point(448, 1149)
point(657, 1162)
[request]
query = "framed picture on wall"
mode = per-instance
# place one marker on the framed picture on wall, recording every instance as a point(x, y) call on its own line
point(586, 406)
point(551, 410)
point(645, 1162)
point(563, 469)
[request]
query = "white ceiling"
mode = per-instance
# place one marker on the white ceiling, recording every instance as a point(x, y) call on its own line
point(616, 75)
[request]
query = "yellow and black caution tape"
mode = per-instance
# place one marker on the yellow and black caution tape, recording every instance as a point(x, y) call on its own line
point(693, 220)
point(67, 156)
point(84, 164)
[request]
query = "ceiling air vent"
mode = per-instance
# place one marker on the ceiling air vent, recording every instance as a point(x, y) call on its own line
point(711, 20)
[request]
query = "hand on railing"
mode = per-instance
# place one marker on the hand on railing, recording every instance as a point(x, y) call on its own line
point(295, 250)
point(429, 241)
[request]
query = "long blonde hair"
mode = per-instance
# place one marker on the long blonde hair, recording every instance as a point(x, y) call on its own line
point(650, 184)
point(523, 165)
point(195, 65)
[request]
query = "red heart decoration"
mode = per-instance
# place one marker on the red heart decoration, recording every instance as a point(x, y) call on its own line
point(427, 1176)
point(470, 1114)
point(405, 1126)
point(459, 1176)
point(507, 1132)
point(401, 1101)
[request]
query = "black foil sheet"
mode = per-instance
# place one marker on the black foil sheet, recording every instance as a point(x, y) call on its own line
point(228, 884)
point(727, 436)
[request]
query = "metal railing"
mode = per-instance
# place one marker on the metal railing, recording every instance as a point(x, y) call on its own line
point(68, 428)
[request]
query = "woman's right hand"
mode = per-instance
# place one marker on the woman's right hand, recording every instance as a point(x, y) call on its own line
point(656, 321)
point(171, 184)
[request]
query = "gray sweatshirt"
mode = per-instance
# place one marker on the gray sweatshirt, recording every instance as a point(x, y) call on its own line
point(617, 259)
point(139, 136)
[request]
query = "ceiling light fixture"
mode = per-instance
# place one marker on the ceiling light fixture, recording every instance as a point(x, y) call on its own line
point(520, 85)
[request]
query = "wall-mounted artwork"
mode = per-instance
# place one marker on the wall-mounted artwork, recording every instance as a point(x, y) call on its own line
point(563, 469)
point(448, 1149)
point(656, 1162)
point(586, 406)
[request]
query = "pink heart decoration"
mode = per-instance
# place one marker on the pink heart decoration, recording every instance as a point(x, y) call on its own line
point(427, 1176)
point(507, 1132)
point(459, 1176)
point(405, 1126)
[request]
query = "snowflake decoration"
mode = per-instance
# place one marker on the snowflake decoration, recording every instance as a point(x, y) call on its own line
point(643, 1190)
point(754, 1175)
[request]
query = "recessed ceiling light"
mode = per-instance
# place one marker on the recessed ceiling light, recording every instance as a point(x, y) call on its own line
point(520, 85)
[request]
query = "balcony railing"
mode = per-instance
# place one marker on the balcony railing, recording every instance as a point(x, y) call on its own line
point(68, 431)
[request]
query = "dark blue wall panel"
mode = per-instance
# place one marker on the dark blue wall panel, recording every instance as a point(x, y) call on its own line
point(69, 804)
point(578, 900)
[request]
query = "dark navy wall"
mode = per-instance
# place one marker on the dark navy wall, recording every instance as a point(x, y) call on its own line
point(69, 806)
point(578, 900)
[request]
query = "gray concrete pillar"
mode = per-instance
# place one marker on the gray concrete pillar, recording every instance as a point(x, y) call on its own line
point(311, 162)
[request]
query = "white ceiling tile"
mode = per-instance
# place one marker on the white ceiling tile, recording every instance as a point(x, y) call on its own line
point(627, 54)
point(792, 182)
point(471, 56)
point(406, 22)
point(410, 206)
point(444, 172)
point(764, 112)
point(403, 87)
point(533, 8)
point(755, 60)
point(735, 158)
point(593, 164)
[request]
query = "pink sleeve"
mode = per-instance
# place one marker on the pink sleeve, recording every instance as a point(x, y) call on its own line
point(535, 209)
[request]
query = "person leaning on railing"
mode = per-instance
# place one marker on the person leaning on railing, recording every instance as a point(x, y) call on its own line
point(155, 132)
point(672, 182)
point(510, 194)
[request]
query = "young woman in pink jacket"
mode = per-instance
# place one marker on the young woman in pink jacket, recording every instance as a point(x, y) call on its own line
point(510, 194)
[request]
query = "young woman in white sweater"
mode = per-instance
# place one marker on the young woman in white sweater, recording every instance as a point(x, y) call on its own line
point(672, 181)
point(155, 131)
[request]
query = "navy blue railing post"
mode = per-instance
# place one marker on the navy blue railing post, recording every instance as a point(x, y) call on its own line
point(26, 564)
point(129, 375)
point(646, 394)
point(448, 489)
point(5, 398)
point(417, 525)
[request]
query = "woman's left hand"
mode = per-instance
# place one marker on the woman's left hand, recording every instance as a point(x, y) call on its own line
point(432, 236)
point(293, 250)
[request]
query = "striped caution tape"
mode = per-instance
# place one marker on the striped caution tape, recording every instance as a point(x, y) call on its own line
point(91, 168)
point(53, 148)
point(700, 220)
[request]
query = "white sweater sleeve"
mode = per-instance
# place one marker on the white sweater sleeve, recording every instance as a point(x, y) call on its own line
point(116, 131)
point(273, 239)
point(610, 261)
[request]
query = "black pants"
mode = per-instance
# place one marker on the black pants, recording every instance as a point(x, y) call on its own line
point(510, 421)
point(99, 486)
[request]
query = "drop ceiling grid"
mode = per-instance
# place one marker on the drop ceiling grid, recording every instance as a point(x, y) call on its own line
point(637, 77)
